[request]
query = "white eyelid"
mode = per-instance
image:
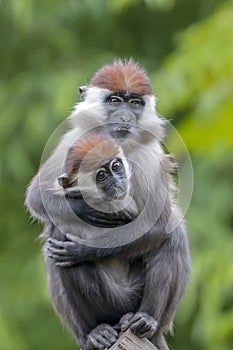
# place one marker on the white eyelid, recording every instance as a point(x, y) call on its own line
point(115, 160)
point(101, 169)
point(119, 99)
point(132, 100)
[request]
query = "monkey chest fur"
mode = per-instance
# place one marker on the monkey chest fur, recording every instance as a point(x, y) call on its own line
point(122, 285)
point(110, 288)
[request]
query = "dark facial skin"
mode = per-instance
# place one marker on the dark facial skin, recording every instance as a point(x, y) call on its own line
point(124, 109)
point(111, 180)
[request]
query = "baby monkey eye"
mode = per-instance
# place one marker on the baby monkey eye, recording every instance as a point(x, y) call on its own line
point(101, 175)
point(115, 100)
point(116, 165)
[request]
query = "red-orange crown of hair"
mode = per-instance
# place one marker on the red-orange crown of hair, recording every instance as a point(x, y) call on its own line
point(89, 152)
point(123, 76)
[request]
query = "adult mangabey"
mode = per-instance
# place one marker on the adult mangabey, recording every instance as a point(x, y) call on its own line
point(144, 285)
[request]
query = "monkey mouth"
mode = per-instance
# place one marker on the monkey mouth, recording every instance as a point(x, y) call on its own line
point(116, 194)
point(120, 131)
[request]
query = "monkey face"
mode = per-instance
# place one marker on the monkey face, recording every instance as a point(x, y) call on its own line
point(124, 110)
point(119, 102)
point(122, 115)
point(96, 168)
point(111, 180)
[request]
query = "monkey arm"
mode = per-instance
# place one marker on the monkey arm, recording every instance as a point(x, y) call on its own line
point(34, 201)
point(167, 277)
point(95, 217)
point(70, 252)
point(56, 206)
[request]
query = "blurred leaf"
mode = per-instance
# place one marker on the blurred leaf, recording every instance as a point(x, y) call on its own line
point(199, 83)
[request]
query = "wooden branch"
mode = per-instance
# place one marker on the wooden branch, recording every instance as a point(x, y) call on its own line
point(129, 341)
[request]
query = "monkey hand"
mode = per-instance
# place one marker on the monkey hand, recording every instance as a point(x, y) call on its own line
point(65, 253)
point(140, 323)
point(101, 337)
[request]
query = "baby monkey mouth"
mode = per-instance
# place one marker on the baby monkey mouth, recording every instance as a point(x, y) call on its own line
point(114, 196)
point(117, 192)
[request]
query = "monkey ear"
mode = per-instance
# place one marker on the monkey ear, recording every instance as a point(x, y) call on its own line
point(82, 91)
point(64, 180)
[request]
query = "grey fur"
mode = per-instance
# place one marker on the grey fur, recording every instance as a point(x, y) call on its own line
point(139, 267)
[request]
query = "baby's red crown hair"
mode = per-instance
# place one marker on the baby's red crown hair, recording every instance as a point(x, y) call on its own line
point(123, 76)
point(89, 153)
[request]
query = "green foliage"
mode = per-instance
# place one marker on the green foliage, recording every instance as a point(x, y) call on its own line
point(198, 78)
point(48, 49)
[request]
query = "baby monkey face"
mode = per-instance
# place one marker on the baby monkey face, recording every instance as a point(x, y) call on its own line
point(111, 180)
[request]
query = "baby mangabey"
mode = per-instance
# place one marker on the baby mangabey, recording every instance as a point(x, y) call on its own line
point(96, 170)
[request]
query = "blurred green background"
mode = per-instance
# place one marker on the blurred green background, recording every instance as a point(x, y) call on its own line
point(47, 49)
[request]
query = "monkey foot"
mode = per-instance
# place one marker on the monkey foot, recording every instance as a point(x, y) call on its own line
point(142, 324)
point(101, 337)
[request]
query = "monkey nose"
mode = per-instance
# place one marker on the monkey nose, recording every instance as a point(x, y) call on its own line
point(121, 189)
point(126, 119)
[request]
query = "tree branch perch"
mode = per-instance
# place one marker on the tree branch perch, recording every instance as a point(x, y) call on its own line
point(129, 341)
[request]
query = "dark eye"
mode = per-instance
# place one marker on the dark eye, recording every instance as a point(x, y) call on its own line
point(101, 175)
point(116, 165)
point(136, 102)
point(115, 100)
